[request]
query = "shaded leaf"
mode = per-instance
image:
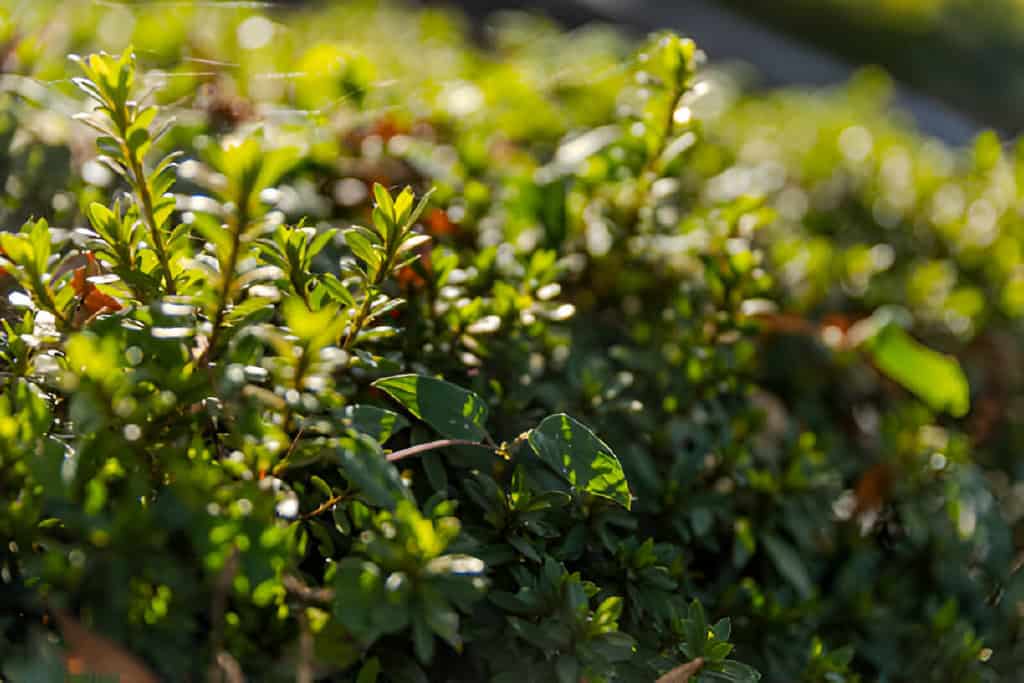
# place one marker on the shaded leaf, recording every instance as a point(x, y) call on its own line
point(364, 464)
point(378, 423)
point(789, 564)
point(732, 672)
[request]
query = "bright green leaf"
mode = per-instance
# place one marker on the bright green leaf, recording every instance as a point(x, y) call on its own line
point(935, 378)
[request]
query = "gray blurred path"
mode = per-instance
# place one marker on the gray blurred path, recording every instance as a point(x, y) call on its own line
point(780, 60)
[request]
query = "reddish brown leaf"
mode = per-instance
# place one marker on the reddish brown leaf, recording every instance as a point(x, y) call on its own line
point(439, 224)
point(873, 488)
point(93, 301)
point(786, 323)
point(387, 127)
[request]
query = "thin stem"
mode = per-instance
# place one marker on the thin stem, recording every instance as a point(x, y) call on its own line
point(303, 294)
point(282, 465)
point(325, 506)
point(386, 266)
point(316, 596)
point(649, 172)
point(146, 199)
point(304, 669)
point(46, 298)
point(228, 276)
point(433, 446)
point(359, 320)
point(221, 595)
point(395, 457)
point(669, 129)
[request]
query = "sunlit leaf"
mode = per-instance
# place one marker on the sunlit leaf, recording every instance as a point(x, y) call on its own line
point(935, 378)
point(581, 458)
point(451, 410)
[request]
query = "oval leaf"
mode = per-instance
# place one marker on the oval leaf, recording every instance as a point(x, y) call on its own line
point(935, 378)
point(364, 464)
point(377, 422)
point(579, 456)
point(789, 564)
point(452, 411)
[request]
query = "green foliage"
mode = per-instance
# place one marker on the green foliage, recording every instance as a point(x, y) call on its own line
point(711, 644)
point(659, 375)
point(936, 378)
point(582, 459)
point(450, 410)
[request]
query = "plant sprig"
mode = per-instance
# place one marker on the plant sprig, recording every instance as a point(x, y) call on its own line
point(127, 133)
point(383, 250)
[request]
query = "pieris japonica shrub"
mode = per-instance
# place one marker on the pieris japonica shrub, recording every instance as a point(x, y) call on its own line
point(336, 347)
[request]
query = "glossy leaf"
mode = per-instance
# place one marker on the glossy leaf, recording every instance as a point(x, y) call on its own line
point(452, 411)
point(581, 458)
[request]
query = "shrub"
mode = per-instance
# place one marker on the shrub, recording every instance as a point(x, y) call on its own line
point(633, 376)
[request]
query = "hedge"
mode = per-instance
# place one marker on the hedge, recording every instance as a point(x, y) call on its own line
point(342, 344)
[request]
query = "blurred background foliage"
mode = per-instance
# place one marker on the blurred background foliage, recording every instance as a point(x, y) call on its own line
point(743, 298)
point(965, 52)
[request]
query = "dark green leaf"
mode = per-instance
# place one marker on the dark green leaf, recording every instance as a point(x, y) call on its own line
point(364, 464)
point(378, 423)
point(452, 411)
point(789, 564)
point(369, 672)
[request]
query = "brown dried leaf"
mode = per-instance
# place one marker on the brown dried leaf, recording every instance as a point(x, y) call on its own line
point(682, 674)
point(873, 489)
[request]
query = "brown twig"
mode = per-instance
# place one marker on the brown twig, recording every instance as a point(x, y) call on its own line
point(230, 666)
point(395, 457)
point(325, 506)
point(218, 607)
point(308, 594)
point(304, 669)
point(283, 463)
